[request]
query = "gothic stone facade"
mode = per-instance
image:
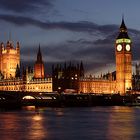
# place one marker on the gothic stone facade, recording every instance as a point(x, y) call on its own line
point(9, 59)
point(123, 82)
point(30, 81)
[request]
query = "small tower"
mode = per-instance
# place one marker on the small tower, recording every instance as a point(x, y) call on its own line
point(81, 70)
point(39, 66)
point(17, 73)
point(123, 60)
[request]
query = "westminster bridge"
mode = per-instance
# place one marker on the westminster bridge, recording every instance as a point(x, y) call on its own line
point(13, 99)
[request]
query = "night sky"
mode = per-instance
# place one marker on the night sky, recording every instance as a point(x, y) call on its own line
point(70, 30)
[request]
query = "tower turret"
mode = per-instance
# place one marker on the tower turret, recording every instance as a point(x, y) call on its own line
point(18, 47)
point(39, 66)
point(123, 31)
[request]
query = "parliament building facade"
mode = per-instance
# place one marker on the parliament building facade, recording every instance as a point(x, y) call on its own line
point(123, 81)
point(70, 77)
point(31, 80)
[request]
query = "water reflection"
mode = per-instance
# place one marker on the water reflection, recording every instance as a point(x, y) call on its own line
point(98, 123)
point(12, 122)
point(37, 130)
point(29, 108)
point(121, 124)
point(59, 112)
point(37, 117)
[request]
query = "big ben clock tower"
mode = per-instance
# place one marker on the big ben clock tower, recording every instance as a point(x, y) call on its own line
point(123, 60)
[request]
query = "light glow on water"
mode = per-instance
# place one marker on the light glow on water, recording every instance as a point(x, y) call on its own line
point(37, 117)
point(98, 123)
point(122, 122)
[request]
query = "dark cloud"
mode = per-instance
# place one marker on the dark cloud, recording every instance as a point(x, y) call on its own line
point(94, 57)
point(93, 51)
point(82, 26)
point(24, 5)
point(109, 39)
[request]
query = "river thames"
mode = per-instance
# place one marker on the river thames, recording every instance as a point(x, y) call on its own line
point(93, 123)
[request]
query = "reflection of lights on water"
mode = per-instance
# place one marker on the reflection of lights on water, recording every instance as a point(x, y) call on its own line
point(59, 112)
point(122, 109)
point(29, 108)
point(37, 117)
point(37, 129)
point(120, 119)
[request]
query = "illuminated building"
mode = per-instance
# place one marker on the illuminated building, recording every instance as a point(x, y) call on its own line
point(70, 77)
point(34, 85)
point(9, 59)
point(31, 80)
point(123, 81)
point(123, 60)
point(105, 84)
point(39, 66)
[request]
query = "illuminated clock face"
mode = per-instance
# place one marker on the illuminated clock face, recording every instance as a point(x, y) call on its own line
point(119, 47)
point(127, 47)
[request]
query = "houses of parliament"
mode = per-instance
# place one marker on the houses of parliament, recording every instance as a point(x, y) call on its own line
point(30, 79)
point(69, 77)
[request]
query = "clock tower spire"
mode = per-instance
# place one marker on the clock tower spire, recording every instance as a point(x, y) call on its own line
point(123, 60)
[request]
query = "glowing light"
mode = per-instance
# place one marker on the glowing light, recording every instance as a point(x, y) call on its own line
point(138, 97)
point(28, 97)
point(37, 117)
point(124, 40)
point(49, 98)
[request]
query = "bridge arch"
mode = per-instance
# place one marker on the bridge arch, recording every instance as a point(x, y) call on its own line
point(138, 97)
point(4, 96)
point(28, 97)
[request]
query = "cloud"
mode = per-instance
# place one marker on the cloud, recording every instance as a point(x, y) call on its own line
point(24, 5)
point(94, 57)
point(81, 26)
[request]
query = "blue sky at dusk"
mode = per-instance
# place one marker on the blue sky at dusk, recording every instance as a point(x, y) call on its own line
point(70, 30)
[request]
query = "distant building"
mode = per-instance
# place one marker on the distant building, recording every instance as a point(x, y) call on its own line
point(66, 78)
